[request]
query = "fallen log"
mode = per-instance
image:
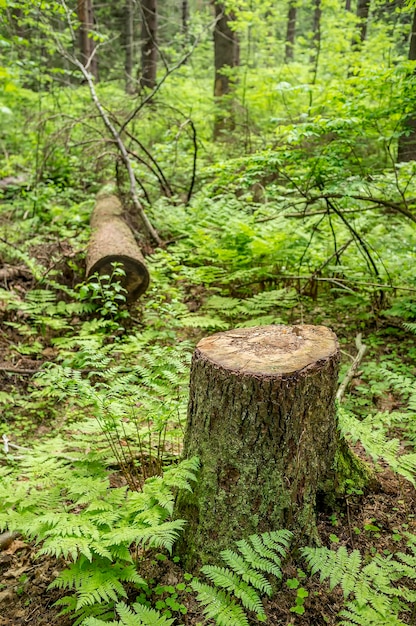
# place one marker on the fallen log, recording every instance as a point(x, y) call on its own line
point(113, 242)
point(261, 419)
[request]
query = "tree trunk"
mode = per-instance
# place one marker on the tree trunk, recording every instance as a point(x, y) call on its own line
point(226, 57)
point(262, 421)
point(129, 44)
point(407, 142)
point(149, 43)
point(363, 9)
point(316, 38)
point(85, 12)
point(348, 5)
point(185, 18)
point(290, 32)
point(113, 242)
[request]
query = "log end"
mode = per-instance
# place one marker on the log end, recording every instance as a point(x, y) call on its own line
point(270, 350)
point(136, 279)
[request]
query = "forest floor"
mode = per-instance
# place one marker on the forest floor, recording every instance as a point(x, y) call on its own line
point(373, 523)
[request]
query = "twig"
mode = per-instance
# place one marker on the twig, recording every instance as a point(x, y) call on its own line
point(18, 370)
point(191, 186)
point(362, 349)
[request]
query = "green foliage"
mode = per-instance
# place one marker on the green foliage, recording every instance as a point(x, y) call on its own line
point(376, 592)
point(69, 507)
point(138, 615)
point(243, 578)
point(107, 295)
point(373, 433)
point(303, 215)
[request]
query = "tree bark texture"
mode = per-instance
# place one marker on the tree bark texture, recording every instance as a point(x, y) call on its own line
point(113, 242)
point(407, 142)
point(85, 12)
point(261, 419)
point(149, 43)
point(226, 57)
point(290, 32)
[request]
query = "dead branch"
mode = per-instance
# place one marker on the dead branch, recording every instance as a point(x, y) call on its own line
point(362, 349)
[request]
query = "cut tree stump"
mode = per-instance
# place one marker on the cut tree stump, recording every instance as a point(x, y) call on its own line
point(113, 242)
point(261, 419)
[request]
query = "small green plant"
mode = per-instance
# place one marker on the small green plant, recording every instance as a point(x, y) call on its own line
point(107, 294)
point(301, 592)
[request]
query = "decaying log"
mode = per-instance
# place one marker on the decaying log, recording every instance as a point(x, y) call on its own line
point(261, 419)
point(113, 242)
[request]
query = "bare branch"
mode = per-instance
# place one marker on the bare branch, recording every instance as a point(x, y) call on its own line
point(362, 349)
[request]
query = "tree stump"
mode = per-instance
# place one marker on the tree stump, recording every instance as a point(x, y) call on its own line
point(261, 418)
point(113, 242)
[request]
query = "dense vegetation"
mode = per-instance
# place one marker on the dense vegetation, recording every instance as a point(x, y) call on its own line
point(298, 212)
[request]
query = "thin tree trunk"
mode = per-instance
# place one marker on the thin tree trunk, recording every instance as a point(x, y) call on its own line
point(262, 420)
point(407, 142)
point(149, 43)
point(316, 39)
point(290, 32)
point(363, 10)
point(348, 5)
point(226, 57)
point(85, 12)
point(185, 18)
point(129, 43)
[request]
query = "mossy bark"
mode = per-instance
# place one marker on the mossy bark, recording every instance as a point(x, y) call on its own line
point(113, 242)
point(262, 421)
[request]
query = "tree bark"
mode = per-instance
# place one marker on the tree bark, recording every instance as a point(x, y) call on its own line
point(149, 43)
point(85, 12)
point(226, 57)
point(113, 242)
point(129, 45)
point(348, 5)
point(406, 150)
point(290, 32)
point(316, 38)
point(185, 18)
point(261, 419)
point(363, 9)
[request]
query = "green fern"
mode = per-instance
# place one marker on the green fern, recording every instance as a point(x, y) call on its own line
point(226, 579)
point(377, 595)
point(243, 577)
point(138, 615)
point(219, 606)
point(51, 506)
point(373, 435)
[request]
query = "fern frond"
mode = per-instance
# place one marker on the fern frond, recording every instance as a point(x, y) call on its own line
point(241, 567)
point(367, 615)
point(257, 561)
point(219, 606)
point(339, 567)
point(225, 578)
point(150, 617)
